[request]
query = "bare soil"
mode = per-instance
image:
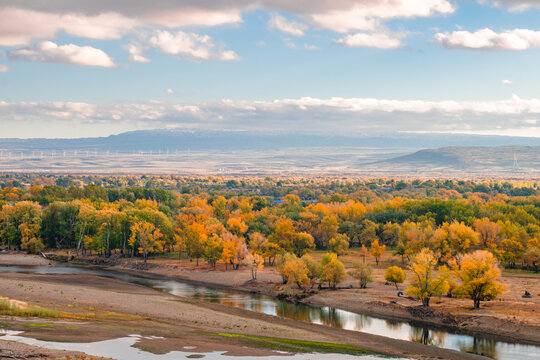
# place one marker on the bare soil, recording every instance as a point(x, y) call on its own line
point(104, 308)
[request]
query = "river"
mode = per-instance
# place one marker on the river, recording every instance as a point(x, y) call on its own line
point(498, 350)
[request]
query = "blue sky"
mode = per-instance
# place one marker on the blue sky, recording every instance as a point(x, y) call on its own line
point(386, 65)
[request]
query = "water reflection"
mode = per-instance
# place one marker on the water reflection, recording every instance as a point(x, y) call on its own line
point(427, 337)
point(319, 315)
point(485, 347)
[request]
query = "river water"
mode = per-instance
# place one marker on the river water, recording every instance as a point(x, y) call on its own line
point(328, 316)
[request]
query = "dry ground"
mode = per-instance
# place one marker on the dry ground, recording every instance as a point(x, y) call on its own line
point(102, 308)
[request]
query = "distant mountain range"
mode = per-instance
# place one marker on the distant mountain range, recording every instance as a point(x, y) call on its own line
point(176, 140)
point(492, 158)
point(256, 153)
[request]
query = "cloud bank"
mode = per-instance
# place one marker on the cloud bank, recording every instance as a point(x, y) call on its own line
point(335, 115)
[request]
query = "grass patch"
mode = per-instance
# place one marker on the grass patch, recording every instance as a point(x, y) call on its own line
point(12, 309)
point(301, 346)
point(37, 325)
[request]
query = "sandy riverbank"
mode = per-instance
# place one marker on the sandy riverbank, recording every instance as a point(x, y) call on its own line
point(510, 318)
point(105, 308)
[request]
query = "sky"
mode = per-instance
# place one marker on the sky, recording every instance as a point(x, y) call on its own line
point(78, 68)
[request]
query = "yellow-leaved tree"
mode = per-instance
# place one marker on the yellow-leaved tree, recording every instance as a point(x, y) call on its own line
point(146, 236)
point(377, 250)
point(396, 275)
point(479, 272)
point(333, 270)
point(427, 279)
point(293, 270)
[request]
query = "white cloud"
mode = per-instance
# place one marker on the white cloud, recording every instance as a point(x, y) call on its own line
point(366, 15)
point(170, 91)
point(48, 51)
point(487, 39)
point(184, 17)
point(289, 27)
point(376, 40)
point(24, 20)
point(191, 45)
point(507, 82)
point(21, 26)
point(339, 115)
point(4, 68)
point(514, 5)
point(135, 53)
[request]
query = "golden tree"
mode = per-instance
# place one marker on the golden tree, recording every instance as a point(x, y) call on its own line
point(333, 270)
point(313, 268)
point(488, 232)
point(212, 250)
point(294, 270)
point(479, 272)
point(396, 275)
point(377, 250)
point(339, 244)
point(426, 283)
point(146, 236)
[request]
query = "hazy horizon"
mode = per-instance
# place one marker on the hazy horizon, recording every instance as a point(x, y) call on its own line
point(78, 69)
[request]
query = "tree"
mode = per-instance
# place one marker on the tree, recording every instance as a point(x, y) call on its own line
point(391, 234)
point(362, 273)
point(461, 238)
point(369, 232)
point(339, 244)
point(212, 250)
point(147, 237)
point(294, 270)
point(531, 258)
point(194, 237)
point(333, 270)
point(425, 282)
point(289, 239)
point(327, 230)
point(364, 253)
point(29, 220)
point(255, 262)
point(479, 272)
point(313, 269)
point(396, 275)
point(511, 251)
point(401, 250)
point(488, 232)
point(377, 250)
point(237, 226)
point(230, 247)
